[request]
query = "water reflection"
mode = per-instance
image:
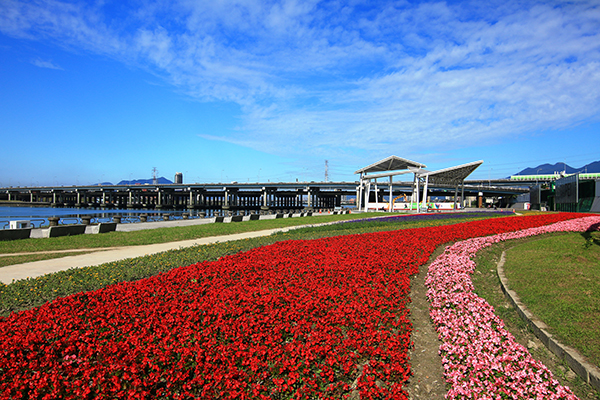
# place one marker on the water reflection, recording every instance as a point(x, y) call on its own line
point(38, 216)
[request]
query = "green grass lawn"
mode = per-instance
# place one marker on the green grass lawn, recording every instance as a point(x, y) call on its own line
point(578, 288)
point(31, 292)
point(174, 234)
point(164, 235)
point(557, 278)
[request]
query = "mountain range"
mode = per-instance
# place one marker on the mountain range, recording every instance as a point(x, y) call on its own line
point(545, 169)
point(593, 167)
point(162, 180)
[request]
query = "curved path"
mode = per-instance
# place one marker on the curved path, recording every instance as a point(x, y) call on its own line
point(101, 256)
point(427, 382)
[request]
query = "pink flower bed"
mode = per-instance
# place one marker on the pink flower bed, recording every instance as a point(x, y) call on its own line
point(481, 358)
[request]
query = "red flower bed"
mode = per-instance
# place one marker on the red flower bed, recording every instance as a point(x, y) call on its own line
point(297, 319)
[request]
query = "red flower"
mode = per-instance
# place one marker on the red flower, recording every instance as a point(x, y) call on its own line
point(299, 319)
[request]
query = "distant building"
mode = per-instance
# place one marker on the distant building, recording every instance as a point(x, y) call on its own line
point(178, 177)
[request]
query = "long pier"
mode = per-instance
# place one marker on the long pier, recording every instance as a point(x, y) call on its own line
point(226, 197)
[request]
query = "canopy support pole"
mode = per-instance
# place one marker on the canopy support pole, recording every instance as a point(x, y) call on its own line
point(417, 193)
point(376, 196)
point(391, 207)
point(425, 191)
point(368, 196)
point(455, 197)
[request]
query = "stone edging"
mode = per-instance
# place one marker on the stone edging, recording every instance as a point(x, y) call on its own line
point(588, 372)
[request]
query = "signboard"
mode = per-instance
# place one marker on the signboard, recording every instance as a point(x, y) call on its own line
point(567, 189)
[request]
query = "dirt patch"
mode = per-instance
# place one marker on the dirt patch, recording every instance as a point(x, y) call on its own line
point(427, 381)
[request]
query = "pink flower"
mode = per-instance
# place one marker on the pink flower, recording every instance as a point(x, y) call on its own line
point(481, 359)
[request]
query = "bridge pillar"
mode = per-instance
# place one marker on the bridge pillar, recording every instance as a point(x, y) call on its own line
point(226, 197)
point(265, 199)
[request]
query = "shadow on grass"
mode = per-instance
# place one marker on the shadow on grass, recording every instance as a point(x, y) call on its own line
point(592, 236)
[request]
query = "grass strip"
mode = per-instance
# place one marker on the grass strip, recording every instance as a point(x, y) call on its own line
point(487, 285)
point(28, 293)
point(173, 234)
point(558, 279)
point(164, 235)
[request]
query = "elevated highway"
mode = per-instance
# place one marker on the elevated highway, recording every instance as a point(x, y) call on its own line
point(229, 196)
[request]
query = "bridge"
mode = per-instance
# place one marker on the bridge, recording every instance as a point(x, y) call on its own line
point(258, 196)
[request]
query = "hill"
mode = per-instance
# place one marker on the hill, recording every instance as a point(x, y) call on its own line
point(545, 169)
point(162, 181)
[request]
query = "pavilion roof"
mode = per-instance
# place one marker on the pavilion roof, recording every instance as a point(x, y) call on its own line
point(391, 163)
point(452, 175)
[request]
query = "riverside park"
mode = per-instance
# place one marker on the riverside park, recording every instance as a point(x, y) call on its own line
point(316, 312)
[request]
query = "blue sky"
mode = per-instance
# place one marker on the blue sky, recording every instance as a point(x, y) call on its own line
point(243, 91)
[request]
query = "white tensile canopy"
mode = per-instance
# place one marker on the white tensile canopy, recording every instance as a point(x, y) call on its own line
point(387, 167)
point(454, 176)
point(393, 165)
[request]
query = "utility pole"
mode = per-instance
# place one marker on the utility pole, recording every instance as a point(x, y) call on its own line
point(154, 176)
point(326, 171)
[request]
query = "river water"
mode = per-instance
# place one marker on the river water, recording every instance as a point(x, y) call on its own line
point(38, 216)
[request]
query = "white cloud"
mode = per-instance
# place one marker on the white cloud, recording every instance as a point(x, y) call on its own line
point(315, 75)
point(45, 64)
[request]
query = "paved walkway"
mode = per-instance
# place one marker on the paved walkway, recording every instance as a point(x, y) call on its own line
point(139, 226)
point(101, 256)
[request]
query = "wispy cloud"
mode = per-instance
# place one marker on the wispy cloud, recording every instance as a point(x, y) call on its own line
point(312, 77)
point(45, 64)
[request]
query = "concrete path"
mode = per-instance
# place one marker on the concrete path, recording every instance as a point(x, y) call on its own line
point(38, 233)
point(101, 256)
point(39, 268)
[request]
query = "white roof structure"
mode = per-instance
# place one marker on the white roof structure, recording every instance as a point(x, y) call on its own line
point(391, 163)
point(450, 176)
point(388, 167)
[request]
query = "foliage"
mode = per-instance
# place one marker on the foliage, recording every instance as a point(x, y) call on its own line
point(24, 294)
point(162, 235)
point(481, 358)
point(323, 318)
point(563, 291)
